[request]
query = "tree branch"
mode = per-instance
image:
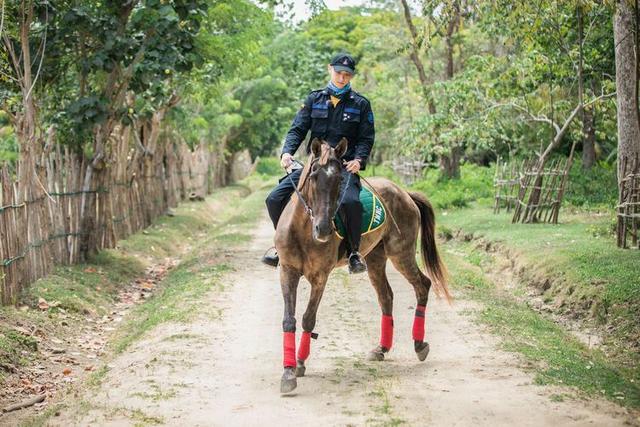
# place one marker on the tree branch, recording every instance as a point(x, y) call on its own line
point(44, 48)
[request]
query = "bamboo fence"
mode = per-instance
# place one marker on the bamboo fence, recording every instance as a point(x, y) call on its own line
point(409, 171)
point(506, 182)
point(628, 209)
point(76, 212)
point(541, 191)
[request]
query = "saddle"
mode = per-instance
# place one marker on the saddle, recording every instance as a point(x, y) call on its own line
point(374, 214)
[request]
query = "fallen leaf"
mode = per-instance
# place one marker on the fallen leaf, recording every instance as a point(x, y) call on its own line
point(89, 270)
point(43, 304)
point(147, 285)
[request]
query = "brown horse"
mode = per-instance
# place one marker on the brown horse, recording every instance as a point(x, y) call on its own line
point(307, 246)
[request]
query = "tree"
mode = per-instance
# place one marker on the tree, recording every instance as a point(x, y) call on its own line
point(626, 82)
point(446, 18)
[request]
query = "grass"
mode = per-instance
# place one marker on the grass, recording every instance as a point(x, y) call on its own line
point(578, 273)
point(557, 356)
point(475, 183)
point(15, 349)
point(86, 288)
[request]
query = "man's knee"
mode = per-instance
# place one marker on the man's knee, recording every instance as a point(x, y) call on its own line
point(270, 200)
point(274, 199)
point(352, 203)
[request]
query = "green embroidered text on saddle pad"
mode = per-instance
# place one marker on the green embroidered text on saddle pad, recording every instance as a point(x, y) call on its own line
point(373, 214)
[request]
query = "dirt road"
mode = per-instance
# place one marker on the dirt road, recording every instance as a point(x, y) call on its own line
point(224, 369)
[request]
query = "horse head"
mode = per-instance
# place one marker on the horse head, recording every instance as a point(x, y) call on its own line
point(322, 185)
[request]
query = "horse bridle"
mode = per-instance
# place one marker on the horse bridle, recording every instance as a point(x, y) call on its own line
point(306, 206)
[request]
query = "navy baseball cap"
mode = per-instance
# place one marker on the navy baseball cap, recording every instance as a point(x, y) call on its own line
point(344, 62)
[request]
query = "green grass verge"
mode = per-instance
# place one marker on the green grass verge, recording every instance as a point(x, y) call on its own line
point(580, 273)
point(558, 358)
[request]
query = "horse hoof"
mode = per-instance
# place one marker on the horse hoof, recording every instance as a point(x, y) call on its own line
point(422, 350)
point(375, 356)
point(288, 383)
point(300, 369)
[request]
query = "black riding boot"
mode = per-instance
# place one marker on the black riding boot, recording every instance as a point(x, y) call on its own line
point(276, 202)
point(352, 211)
point(356, 263)
point(271, 259)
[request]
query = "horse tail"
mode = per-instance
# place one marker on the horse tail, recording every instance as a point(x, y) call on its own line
point(435, 268)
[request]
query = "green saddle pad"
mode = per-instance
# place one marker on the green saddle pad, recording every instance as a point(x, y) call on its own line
point(373, 214)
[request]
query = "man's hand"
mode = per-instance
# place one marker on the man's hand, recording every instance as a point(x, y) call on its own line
point(353, 166)
point(286, 160)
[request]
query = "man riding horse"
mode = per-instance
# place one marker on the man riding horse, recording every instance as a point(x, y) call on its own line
point(332, 113)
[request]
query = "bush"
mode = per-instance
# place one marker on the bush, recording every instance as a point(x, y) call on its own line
point(269, 166)
point(475, 184)
point(383, 170)
point(597, 187)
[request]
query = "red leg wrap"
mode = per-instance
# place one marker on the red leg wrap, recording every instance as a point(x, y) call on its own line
point(305, 346)
point(418, 323)
point(289, 349)
point(386, 336)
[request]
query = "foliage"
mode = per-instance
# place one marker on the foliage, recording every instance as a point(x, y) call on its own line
point(475, 183)
point(96, 52)
point(269, 166)
point(594, 188)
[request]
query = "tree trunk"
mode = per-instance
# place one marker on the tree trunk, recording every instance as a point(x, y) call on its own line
point(450, 164)
point(415, 57)
point(628, 128)
point(589, 141)
point(452, 28)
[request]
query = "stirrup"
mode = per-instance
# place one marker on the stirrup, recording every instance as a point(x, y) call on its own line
point(358, 265)
point(269, 259)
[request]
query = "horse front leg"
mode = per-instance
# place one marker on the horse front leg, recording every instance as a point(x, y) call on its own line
point(289, 279)
point(309, 322)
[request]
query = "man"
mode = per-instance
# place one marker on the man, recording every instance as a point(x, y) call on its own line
point(331, 113)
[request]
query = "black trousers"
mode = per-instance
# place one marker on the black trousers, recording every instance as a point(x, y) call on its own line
point(350, 210)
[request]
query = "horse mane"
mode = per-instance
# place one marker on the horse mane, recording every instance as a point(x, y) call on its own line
point(323, 159)
point(305, 172)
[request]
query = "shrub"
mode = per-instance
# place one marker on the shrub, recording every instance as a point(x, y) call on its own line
point(475, 184)
point(592, 188)
point(269, 166)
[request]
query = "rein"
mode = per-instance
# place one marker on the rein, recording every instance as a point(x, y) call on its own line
point(307, 209)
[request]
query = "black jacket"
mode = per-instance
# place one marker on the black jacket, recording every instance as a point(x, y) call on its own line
point(352, 118)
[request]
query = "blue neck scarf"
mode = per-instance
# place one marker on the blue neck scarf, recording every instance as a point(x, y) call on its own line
point(336, 91)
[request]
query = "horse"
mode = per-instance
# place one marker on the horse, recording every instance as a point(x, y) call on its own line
point(307, 246)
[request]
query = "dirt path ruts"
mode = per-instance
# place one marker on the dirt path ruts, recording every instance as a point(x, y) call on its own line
point(224, 368)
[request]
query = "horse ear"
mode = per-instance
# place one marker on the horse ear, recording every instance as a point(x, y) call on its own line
point(316, 147)
point(341, 148)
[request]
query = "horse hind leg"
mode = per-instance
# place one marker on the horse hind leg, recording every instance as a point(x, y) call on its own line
point(408, 267)
point(376, 264)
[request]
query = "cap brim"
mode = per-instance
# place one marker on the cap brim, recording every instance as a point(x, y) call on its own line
point(343, 68)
